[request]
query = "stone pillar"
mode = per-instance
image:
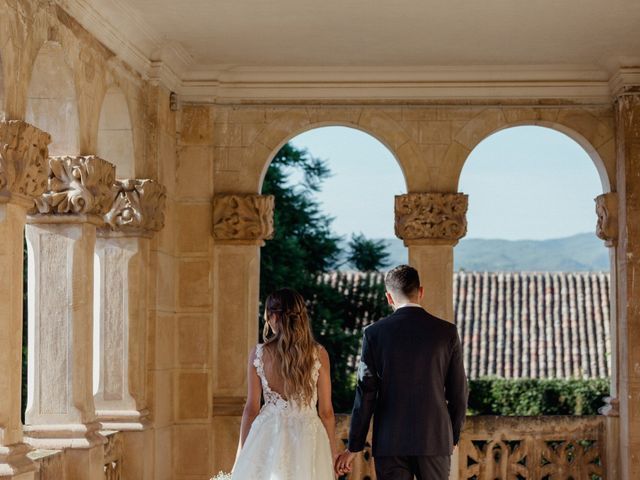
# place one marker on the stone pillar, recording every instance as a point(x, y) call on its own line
point(627, 285)
point(23, 176)
point(607, 230)
point(431, 225)
point(120, 314)
point(61, 239)
point(241, 223)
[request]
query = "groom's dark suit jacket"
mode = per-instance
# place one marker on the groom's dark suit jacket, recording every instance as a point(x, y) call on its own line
point(411, 379)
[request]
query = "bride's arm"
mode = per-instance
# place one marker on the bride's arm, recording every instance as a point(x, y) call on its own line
point(252, 406)
point(325, 406)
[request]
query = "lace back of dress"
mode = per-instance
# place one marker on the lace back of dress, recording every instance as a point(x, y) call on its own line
point(274, 398)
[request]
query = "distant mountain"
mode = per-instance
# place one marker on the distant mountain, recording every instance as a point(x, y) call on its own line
point(582, 252)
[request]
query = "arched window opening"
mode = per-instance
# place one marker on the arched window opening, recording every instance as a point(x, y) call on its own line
point(115, 135)
point(531, 288)
point(334, 191)
point(52, 105)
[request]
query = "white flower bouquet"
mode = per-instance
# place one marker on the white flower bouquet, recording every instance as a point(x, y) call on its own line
point(222, 476)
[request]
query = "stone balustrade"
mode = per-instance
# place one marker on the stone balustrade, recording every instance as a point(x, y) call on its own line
point(504, 448)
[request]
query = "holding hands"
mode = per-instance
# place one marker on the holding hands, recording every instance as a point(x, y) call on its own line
point(343, 461)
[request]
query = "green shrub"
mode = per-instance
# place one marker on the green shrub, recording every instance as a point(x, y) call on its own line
point(529, 397)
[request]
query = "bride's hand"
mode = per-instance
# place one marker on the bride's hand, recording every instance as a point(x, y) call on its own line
point(343, 462)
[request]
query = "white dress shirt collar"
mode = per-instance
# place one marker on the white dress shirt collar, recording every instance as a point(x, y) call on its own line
point(398, 307)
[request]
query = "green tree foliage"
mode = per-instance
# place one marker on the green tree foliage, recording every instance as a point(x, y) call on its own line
point(304, 247)
point(367, 255)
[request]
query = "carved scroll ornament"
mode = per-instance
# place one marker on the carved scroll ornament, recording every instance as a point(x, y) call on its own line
point(437, 217)
point(138, 207)
point(607, 211)
point(78, 185)
point(23, 160)
point(243, 217)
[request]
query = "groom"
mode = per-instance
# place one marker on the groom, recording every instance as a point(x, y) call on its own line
point(411, 379)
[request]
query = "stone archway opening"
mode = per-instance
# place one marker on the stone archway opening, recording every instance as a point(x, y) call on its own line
point(115, 133)
point(52, 106)
point(532, 290)
point(334, 189)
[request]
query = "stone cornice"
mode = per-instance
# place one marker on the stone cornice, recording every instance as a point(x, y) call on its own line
point(430, 218)
point(243, 218)
point(137, 210)
point(77, 185)
point(23, 161)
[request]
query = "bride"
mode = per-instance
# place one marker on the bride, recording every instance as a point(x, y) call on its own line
point(292, 436)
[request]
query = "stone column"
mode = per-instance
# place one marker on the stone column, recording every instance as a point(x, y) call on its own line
point(241, 223)
point(61, 239)
point(431, 225)
point(120, 308)
point(607, 230)
point(627, 284)
point(120, 314)
point(23, 176)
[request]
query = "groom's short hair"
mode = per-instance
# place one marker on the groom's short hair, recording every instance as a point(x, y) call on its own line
point(402, 279)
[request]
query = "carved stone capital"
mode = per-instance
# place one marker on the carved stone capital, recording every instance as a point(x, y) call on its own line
point(23, 166)
point(431, 217)
point(78, 185)
point(138, 207)
point(243, 217)
point(607, 211)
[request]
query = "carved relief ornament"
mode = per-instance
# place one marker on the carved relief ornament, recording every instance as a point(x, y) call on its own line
point(138, 207)
point(78, 185)
point(23, 160)
point(431, 217)
point(607, 211)
point(243, 217)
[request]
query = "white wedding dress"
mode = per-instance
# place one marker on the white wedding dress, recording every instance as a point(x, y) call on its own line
point(287, 441)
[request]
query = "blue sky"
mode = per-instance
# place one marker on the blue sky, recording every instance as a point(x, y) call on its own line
point(523, 183)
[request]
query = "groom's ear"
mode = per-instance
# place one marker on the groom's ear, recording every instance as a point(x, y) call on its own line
point(420, 292)
point(389, 298)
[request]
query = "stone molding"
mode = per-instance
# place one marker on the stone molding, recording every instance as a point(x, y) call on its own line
point(431, 217)
point(607, 211)
point(243, 217)
point(77, 185)
point(138, 208)
point(23, 166)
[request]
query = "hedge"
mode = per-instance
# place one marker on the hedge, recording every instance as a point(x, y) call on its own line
point(530, 397)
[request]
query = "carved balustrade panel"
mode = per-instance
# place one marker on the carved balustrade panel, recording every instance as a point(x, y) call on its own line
point(514, 448)
point(536, 448)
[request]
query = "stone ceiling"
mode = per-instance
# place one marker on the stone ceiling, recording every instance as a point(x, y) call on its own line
point(200, 40)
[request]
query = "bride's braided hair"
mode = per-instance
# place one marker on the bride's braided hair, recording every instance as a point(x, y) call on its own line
point(294, 343)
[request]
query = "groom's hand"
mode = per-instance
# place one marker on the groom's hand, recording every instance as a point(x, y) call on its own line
point(344, 461)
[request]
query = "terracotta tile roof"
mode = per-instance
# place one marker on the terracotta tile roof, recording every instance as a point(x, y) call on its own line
point(521, 324)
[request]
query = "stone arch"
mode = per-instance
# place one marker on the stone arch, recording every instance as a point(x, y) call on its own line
point(52, 104)
point(594, 134)
point(115, 133)
point(294, 122)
